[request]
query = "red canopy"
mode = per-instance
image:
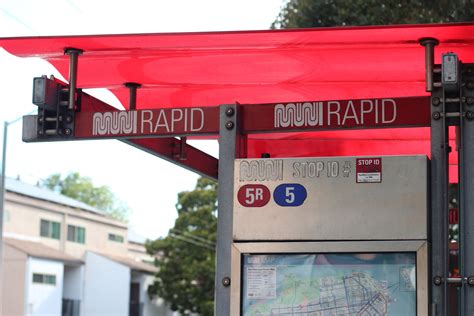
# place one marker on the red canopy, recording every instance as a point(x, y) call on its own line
point(208, 69)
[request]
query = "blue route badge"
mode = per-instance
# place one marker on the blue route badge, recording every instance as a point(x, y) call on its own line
point(290, 194)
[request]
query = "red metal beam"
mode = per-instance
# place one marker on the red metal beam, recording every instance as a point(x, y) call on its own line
point(168, 148)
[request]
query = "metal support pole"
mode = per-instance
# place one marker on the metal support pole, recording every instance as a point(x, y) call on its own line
point(2, 191)
point(439, 200)
point(228, 151)
point(429, 44)
point(132, 101)
point(466, 189)
point(2, 206)
point(73, 57)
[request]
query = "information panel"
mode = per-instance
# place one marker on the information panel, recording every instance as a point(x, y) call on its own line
point(331, 198)
point(329, 284)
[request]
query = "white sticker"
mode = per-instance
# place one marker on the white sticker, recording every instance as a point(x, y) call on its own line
point(261, 282)
point(367, 177)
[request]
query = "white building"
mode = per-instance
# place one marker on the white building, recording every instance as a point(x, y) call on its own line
point(63, 257)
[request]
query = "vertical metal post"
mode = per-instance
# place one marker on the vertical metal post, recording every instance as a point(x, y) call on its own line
point(429, 44)
point(2, 206)
point(132, 101)
point(2, 192)
point(439, 187)
point(466, 189)
point(73, 57)
point(228, 151)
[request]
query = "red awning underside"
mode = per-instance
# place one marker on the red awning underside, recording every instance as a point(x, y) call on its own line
point(208, 69)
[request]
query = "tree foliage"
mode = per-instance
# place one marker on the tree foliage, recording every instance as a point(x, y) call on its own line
point(82, 189)
point(321, 13)
point(187, 255)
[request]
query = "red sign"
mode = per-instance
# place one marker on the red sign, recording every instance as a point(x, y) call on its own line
point(369, 170)
point(334, 115)
point(253, 195)
point(314, 115)
point(167, 122)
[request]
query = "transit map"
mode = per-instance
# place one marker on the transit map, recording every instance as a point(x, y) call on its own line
point(329, 284)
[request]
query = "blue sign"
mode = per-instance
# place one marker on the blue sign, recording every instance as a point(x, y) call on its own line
point(290, 194)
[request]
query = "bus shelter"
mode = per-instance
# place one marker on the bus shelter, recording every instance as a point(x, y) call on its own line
point(275, 100)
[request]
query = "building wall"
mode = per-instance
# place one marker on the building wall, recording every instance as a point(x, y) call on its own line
point(25, 214)
point(13, 282)
point(138, 251)
point(44, 299)
point(106, 287)
point(154, 306)
point(97, 238)
point(73, 286)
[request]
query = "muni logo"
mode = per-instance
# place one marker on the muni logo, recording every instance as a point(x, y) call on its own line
point(113, 123)
point(261, 170)
point(299, 114)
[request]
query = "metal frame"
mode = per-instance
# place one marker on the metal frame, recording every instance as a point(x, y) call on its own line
point(420, 247)
point(439, 204)
point(466, 189)
point(229, 150)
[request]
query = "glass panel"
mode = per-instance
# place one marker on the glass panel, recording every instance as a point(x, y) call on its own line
point(116, 238)
point(50, 279)
point(70, 233)
point(37, 278)
point(81, 235)
point(56, 230)
point(329, 284)
point(44, 228)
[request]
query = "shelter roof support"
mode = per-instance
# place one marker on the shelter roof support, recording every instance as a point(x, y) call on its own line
point(466, 189)
point(229, 150)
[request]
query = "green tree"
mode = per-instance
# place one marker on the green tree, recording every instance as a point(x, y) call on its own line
point(82, 189)
point(319, 13)
point(186, 257)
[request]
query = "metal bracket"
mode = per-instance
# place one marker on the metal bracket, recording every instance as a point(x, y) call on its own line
point(181, 153)
point(132, 87)
point(55, 118)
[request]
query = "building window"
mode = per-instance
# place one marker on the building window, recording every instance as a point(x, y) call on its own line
point(76, 234)
point(50, 229)
point(44, 278)
point(116, 238)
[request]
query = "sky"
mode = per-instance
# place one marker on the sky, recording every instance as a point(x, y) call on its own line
point(146, 183)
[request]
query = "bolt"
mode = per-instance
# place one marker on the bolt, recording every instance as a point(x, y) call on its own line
point(68, 118)
point(469, 70)
point(226, 281)
point(469, 100)
point(437, 280)
point(436, 101)
point(60, 118)
point(470, 85)
point(229, 125)
point(469, 115)
point(436, 115)
point(40, 133)
point(40, 119)
point(229, 111)
point(67, 131)
point(470, 281)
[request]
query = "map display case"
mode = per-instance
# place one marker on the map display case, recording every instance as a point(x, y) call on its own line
point(330, 236)
point(330, 278)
